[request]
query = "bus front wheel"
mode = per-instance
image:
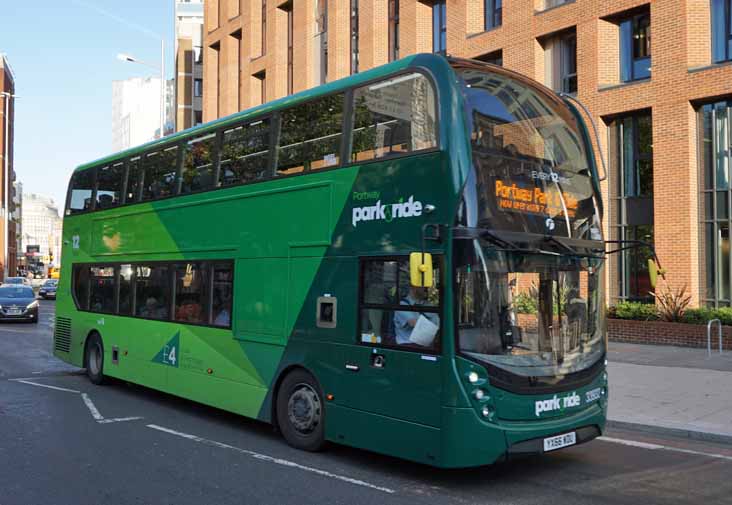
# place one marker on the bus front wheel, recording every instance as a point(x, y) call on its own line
point(94, 361)
point(300, 411)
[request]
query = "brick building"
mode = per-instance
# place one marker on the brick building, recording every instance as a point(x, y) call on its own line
point(188, 63)
point(656, 76)
point(8, 239)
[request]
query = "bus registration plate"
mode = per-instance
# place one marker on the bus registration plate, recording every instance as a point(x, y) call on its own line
point(560, 441)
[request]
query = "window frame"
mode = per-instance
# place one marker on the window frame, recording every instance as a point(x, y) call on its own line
point(439, 26)
point(171, 265)
point(274, 117)
point(393, 17)
point(439, 258)
point(628, 25)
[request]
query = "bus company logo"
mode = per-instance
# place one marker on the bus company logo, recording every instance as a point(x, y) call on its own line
point(548, 177)
point(557, 403)
point(387, 211)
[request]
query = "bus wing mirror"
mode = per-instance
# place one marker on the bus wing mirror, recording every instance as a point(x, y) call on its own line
point(420, 270)
point(654, 271)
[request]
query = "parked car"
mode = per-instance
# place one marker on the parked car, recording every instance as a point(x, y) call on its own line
point(18, 303)
point(48, 289)
point(16, 281)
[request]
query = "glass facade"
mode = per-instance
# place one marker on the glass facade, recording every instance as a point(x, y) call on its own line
point(715, 147)
point(631, 141)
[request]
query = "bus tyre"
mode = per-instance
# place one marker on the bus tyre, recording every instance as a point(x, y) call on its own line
point(94, 359)
point(300, 411)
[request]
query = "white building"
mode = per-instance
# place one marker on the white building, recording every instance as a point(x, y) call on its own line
point(136, 111)
point(42, 228)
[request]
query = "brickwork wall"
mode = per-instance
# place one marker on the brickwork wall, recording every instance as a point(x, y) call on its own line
point(661, 333)
point(682, 75)
point(7, 85)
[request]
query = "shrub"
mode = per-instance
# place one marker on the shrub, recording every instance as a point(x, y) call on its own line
point(672, 303)
point(524, 303)
point(633, 310)
point(703, 315)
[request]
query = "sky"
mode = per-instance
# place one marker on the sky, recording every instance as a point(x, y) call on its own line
point(64, 57)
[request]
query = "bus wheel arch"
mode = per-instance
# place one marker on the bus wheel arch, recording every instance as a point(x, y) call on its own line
point(298, 408)
point(94, 357)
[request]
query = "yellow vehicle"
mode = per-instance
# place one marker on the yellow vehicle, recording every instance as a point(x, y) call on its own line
point(54, 273)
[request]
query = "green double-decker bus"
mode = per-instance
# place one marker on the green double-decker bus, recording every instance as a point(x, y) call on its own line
point(408, 260)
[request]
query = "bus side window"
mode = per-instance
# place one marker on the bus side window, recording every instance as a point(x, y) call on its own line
point(160, 174)
point(393, 117)
point(198, 164)
point(81, 286)
point(101, 289)
point(82, 187)
point(152, 291)
point(310, 135)
point(109, 185)
point(245, 153)
point(223, 290)
point(134, 176)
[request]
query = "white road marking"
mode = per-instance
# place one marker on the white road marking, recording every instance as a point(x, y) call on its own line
point(28, 381)
point(656, 447)
point(92, 408)
point(270, 459)
point(119, 420)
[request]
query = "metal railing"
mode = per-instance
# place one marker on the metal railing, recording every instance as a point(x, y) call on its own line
point(709, 336)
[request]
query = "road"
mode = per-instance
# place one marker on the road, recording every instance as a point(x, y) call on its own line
point(66, 441)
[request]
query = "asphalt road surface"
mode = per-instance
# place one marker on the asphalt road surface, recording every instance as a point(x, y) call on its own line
point(66, 441)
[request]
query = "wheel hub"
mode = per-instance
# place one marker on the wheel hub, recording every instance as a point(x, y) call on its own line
point(303, 409)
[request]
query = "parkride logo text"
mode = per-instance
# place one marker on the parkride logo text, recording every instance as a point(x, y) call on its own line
point(386, 211)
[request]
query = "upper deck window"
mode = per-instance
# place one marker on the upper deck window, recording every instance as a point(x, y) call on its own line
point(245, 153)
point(160, 174)
point(310, 135)
point(198, 164)
point(109, 185)
point(82, 187)
point(394, 117)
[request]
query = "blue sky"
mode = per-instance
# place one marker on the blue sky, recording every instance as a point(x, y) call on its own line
point(63, 54)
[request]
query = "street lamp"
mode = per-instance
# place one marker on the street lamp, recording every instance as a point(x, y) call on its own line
point(161, 68)
point(6, 176)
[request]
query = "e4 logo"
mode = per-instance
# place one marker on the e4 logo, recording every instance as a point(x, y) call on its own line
point(168, 355)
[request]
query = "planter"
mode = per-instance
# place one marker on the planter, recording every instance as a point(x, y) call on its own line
point(663, 333)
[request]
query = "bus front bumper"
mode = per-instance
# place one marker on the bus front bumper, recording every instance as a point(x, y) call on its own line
point(469, 441)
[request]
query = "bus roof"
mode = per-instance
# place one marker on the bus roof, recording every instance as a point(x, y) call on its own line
point(427, 60)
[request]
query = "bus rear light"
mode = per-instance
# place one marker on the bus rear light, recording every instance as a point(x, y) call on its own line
point(210, 371)
point(329, 397)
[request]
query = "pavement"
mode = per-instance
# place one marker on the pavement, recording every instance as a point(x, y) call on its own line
point(671, 390)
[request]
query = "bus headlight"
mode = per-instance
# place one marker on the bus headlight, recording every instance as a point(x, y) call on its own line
point(486, 411)
point(473, 377)
point(479, 394)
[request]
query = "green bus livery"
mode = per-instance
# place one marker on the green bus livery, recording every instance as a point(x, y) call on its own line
point(408, 260)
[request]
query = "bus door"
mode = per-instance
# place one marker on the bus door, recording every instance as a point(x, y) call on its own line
point(394, 368)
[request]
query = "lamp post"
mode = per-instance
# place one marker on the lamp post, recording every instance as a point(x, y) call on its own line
point(161, 68)
point(6, 176)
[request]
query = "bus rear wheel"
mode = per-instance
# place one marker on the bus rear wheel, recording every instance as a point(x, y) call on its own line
point(300, 411)
point(94, 359)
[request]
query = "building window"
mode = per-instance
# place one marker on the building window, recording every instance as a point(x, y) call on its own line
point(548, 4)
point(635, 47)
point(721, 30)
point(262, 78)
point(439, 26)
point(561, 65)
point(354, 36)
point(321, 35)
point(198, 117)
point(197, 87)
point(494, 58)
point(493, 13)
point(715, 146)
point(393, 30)
point(632, 149)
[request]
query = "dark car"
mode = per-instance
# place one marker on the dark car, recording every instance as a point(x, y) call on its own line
point(48, 290)
point(18, 303)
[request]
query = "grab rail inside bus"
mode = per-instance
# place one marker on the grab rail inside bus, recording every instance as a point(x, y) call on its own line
point(594, 130)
